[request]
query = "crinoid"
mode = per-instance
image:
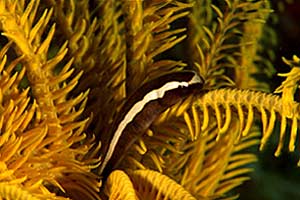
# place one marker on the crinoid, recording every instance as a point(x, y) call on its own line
point(132, 99)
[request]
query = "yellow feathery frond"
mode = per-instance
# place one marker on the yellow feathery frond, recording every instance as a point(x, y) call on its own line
point(79, 28)
point(157, 186)
point(15, 115)
point(33, 55)
point(120, 186)
point(251, 61)
point(243, 101)
point(201, 14)
point(196, 164)
point(218, 176)
point(68, 67)
point(46, 141)
point(147, 35)
point(8, 191)
point(98, 48)
point(217, 41)
point(288, 88)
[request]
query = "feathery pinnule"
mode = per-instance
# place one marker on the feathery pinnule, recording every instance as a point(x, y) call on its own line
point(68, 66)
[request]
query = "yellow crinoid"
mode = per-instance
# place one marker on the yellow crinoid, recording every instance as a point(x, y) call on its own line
point(70, 70)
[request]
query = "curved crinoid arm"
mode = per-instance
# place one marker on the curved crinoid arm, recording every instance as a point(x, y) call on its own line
point(155, 186)
point(19, 135)
point(98, 46)
point(148, 34)
point(8, 191)
point(290, 85)
point(52, 136)
point(176, 146)
point(213, 167)
point(204, 162)
point(223, 41)
point(208, 155)
point(120, 186)
point(222, 103)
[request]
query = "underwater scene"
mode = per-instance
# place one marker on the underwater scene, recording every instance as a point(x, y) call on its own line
point(149, 99)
